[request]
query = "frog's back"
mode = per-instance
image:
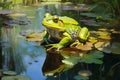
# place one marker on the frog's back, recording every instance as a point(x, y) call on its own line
point(73, 30)
point(68, 20)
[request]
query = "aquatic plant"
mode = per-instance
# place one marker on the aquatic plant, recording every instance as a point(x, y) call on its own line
point(51, 0)
point(113, 4)
point(5, 4)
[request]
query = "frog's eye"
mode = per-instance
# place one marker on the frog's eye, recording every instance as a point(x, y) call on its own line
point(55, 19)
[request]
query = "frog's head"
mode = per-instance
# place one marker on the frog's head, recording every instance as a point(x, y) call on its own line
point(52, 22)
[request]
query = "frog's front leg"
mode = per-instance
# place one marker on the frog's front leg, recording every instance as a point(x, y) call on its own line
point(46, 39)
point(74, 44)
point(63, 42)
point(84, 34)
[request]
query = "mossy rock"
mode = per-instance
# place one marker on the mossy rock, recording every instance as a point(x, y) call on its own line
point(15, 78)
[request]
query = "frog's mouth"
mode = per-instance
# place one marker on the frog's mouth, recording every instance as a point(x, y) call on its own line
point(56, 26)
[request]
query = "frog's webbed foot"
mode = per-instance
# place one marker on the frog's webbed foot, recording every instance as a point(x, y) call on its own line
point(54, 46)
point(74, 44)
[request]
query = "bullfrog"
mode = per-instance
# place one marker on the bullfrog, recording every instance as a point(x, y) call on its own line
point(63, 29)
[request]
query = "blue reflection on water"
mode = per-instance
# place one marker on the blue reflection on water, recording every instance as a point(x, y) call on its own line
point(28, 56)
point(34, 69)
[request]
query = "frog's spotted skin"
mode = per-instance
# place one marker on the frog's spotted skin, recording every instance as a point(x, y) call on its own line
point(64, 29)
point(73, 31)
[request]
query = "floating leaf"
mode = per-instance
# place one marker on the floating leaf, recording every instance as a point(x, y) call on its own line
point(55, 71)
point(104, 37)
point(102, 29)
point(97, 61)
point(114, 31)
point(115, 48)
point(15, 78)
point(87, 59)
point(78, 77)
point(85, 73)
point(91, 60)
point(92, 57)
point(71, 61)
point(103, 46)
point(37, 36)
point(68, 52)
point(86, 47)
point(9, 73)
point(18, 14)
point(97, 54)
point(103, 33)
point(92, 40)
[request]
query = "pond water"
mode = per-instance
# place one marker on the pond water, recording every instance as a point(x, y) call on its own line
point(24, 57)
point(17, 54)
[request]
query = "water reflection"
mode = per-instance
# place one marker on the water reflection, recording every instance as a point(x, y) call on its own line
point(11, 51)
point(0, 50)
point(18, 54)
point(22, 56)
point(55, 69)
point(26, 58)
point(53, 63)
point(53, 8)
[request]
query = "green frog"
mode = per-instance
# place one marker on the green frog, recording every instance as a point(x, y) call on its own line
point(63, 29)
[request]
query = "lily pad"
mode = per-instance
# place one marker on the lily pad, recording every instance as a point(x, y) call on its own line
point(108, 48)
point(53, 72)
point(12, 73)
point(86, 47)
point(102, 29)
point(85, 73)
point(15, 78)
point(103, 33)
point(103, 46)
point(92, 40)
point(78, 77)
point(68, 52)
point(97, 54)
point(92, 57)
point(108, 37)
point(115, 48)
point(115, 31)
point(18, 14)
point(36, 36)
point(71, 61)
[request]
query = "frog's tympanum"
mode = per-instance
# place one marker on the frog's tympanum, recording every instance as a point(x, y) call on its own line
point(64, 29)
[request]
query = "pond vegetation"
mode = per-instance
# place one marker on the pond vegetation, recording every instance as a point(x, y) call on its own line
point(22, 56)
